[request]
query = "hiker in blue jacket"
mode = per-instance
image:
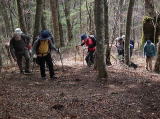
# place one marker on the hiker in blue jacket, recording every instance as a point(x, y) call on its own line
point(149, 52)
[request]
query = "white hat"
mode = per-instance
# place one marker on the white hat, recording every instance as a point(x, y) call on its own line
point(123, 36)
point(18, 31)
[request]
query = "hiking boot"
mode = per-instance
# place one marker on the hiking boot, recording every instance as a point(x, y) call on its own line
point(53, 78)
point(22, 72)
point(43, 78)
point(27, 72)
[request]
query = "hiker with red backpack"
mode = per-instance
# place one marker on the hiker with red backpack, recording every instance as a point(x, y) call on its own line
point(19, 48)
point(42, 52)
point(90, 42)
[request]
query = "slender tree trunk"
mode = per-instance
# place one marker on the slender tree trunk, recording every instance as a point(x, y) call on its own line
point(21, 16)
point(80, 15)
point(43, 19)
point(89, 10)
point(55, 21)
point(28, 16)
point(6, 19)
point(62, 41)
point(149, 8)
point(106, 31)
point(38, 16)
point(68, 21)
point(121, 17)
point(128, 31)
point(100, 51)
point(1, 55)
point(157, 64)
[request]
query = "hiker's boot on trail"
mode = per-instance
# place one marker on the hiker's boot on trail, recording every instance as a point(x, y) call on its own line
point(21, 72)
point(43, 78)
point(27, 72)
point(53, 78)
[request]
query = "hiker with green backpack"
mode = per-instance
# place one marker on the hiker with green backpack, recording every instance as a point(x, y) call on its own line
point(42, 52)
point(149, 53)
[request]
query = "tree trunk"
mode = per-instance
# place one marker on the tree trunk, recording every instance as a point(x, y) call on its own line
point(128, 31)
point(157, 64)
point(28, 16)
point(38, 16)
point(21, 16)
point(68, 21)
point(62, 41)
point(106, 31)
point(89, 11)
point(43, 19)
point(149, 30)
point(80, 15)
point(6, 19)
point(149, 8)
point(55, 21)
point(100, 51)
point(121, 17)
point(1, 55)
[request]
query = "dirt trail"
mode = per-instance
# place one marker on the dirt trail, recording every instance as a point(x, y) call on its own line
point(76, 94)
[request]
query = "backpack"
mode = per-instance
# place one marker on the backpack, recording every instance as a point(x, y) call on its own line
point(93, 39)
point(43, 47)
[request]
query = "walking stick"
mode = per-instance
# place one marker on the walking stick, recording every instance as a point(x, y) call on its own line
point(34, 63)
point(83, 56)
point(60, 55)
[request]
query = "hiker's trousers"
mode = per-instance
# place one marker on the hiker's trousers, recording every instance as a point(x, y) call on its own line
point(19, 57)
point(48, 60)
point(90, 57)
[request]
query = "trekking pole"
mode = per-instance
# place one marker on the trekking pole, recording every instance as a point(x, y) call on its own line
point(75, 54)
point(83, 56)
point(34, 62)
point(60, 55)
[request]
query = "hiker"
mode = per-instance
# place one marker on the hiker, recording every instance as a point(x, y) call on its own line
point(42, 51)
point(19, 48)
point(120, 47)
point(149, 52)
point(90, 42)
point(131, 44)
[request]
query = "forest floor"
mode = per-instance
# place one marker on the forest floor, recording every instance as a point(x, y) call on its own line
point(77, 94)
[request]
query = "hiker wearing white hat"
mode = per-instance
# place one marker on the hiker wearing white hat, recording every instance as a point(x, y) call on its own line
point(19, 47)
point(18, 31)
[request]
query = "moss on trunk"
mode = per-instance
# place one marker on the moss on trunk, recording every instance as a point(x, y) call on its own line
point(148, 29)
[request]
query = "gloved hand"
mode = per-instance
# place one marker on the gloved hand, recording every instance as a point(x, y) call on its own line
point(58, 50)
point(14, 59)
point(34, 56)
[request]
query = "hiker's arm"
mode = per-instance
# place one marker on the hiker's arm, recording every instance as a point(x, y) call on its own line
point(53, 46)
point(12, 49)
point(154, 48)
point(28, 41)
point(144, 50)
point(34, 47)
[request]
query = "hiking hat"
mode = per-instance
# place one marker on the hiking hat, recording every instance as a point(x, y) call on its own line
point(84, 36)
point(123, 36)
point(149, 42)
point(120, 39)
point(18, 31)
point(44, 34)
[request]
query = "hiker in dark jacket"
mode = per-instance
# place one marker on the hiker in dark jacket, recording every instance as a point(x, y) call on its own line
point(42, 51)
point(91, 44)
point(19, 47)
point(149, 52)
